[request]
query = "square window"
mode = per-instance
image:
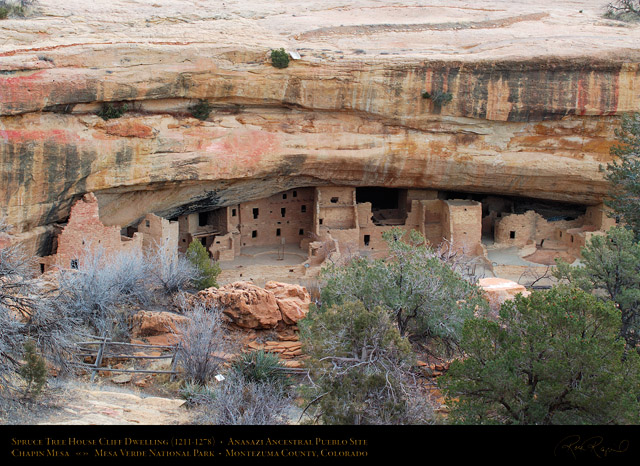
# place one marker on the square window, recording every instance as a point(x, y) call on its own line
point(512, 234)
point(254, 234)
point(284, 196)
point(233, 212)
point(278, 232)
point(295, 194)
point(301, 232)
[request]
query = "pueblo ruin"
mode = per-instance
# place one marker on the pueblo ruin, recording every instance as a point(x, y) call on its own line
point(291, 167)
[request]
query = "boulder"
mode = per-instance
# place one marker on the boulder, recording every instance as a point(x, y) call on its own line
point(293, 300)
point(246, 304)
point(499, 290)
point(158, 328)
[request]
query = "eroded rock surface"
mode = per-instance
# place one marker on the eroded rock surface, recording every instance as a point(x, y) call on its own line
point(536, 91)
point(252, 307)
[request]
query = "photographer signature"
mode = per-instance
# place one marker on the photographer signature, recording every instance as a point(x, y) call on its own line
point(574, 445)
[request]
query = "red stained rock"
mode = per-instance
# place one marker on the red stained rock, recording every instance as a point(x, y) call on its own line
point(248, 305)
point(293, 300)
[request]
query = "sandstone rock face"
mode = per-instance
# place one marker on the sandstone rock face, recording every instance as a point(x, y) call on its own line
point(499, 290)
point(158, 328)
point(293, 300)
point(248, 305)
point(537, 89)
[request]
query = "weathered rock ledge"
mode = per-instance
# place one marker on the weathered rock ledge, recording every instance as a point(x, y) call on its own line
point(537, 90)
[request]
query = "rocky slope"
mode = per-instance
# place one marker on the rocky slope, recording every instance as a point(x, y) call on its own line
point(537, 89)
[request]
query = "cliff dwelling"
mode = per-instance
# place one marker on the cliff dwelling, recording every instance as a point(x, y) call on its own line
point(304, 227)
point(346, 131)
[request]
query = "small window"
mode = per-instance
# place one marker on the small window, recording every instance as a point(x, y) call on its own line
point(303, 208)
point(295, 194)
point(278, 232)
point(255, 213)
point(512, 234)
point(254, 234)
point(233, 212)
point(203, 240)
point(202, 219)
point(320, 221)
point(283, 212)
point(301, 232)
point(147, 223)
point(572, 238)
point(41, 268)
point(284, 196)
point(367, 239)
point(334, 200)
point(74, 263)
point(560, 234)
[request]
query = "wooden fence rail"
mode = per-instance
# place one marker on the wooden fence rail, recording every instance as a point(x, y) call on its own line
point(101, 352)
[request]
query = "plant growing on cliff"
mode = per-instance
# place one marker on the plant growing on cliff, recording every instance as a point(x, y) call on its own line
point(610, 265)
point(14, 8)
point(552, 358)
point(361, 368)
point(208, 269)
point(425, 297)
point(201, 110)
point(280, 58)
point(624, 174)
point(438, 98)
point(623, 10)
point(109, 111)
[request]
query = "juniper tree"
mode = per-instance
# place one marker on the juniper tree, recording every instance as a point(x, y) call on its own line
point(610, 266)
point(552, 358)
point(425, 297)
point(624, 174)
point(208, 270)
point(361, 368)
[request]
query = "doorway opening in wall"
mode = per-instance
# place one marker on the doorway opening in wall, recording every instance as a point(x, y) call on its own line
point(367, 239)
point(388, 205)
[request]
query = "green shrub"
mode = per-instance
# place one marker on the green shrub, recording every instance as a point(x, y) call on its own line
point(361, 368)
point(426, 298)
point(201, 110)
point(34, 370)
point(552, 358)
point(208, 270)
point(280, 58)
point(262, 367)
point(109, 111)
point(4, 12)
point(438, 98)
point(623, 10)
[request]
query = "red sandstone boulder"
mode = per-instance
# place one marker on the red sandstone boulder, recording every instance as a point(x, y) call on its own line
point(158, 328)
point(248, 305)
point(499, 290)
point(293, 300)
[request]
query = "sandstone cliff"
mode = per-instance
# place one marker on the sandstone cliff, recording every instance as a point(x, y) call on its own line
point(537, 90)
